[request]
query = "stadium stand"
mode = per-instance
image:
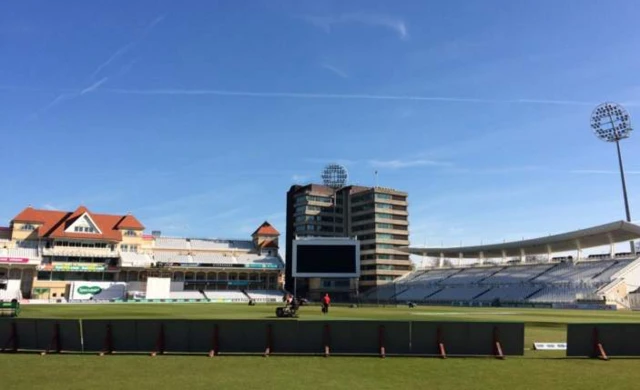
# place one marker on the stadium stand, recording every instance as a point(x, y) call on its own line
point(172, 257)
point(471, 275)
point(562, 294)
point(264, 296)
point(213, 258)
point(417, 294)
point(551, 270)
point(517, 273)
point(258, 260)
point(131, 259)
point(220, 244)
point(187, 295)
point(513, 293)
point(30, 253)
point(560, 282)
point(226, 296)
point(457, 293)
point(171, 243)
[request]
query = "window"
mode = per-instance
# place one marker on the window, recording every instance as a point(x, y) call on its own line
point(312, 198)
point(361, 198)
point(84, 229)
point(384, 246)
point(384, 196)
point(28, 226)
point(130, 233)
point(383, 206)
point(384, 226)
point(384, 216)
point(366, 226)
point(384, 236)
point(362, 217)
point(364, 207)
point(302, 209)
point(128, 248)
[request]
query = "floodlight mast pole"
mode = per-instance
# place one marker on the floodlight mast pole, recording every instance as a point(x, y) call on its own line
point(624, 184)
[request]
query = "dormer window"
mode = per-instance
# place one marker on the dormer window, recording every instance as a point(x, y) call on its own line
point(28, 226)
point(84, 229)
point(130, 233)
point(84, 224)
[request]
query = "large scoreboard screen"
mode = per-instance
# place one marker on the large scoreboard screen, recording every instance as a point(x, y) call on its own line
point(326, 258)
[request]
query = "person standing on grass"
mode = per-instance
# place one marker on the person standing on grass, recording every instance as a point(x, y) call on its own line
point(326, 301)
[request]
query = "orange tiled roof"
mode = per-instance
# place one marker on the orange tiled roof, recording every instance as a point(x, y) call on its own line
point(269, 244)
point(130, 222)
point(266, 230)
point(54, 223)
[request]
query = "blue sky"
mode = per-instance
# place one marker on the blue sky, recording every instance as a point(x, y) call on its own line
point(198, 116)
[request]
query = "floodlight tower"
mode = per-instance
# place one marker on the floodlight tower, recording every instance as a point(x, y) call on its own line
point(611, 123)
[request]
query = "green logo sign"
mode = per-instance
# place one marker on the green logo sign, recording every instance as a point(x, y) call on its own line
point(85, 290)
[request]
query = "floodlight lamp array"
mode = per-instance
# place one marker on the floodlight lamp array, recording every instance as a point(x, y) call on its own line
point(334, 176)
point(611, 122)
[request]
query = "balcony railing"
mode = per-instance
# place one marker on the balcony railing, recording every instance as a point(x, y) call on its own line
point(79, 252)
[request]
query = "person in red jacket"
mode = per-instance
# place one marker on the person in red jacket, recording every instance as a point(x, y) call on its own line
point(326, 301)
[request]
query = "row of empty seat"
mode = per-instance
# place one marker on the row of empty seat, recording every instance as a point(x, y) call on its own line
point(208, 258)
point(186, 243)
point(226, 296)
point(132, 259)
point(29, 253)
point(187, 295)
point(265, 296)
point(561, 282)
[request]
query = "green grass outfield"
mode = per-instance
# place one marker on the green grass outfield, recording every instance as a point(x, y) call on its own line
point(536, 370)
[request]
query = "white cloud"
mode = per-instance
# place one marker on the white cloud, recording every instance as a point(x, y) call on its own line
point(73, 94)
point(124, 49)
point(94, 86)
point(398, 164)
point(313, 95)
point(336, 70)
point(394, 24)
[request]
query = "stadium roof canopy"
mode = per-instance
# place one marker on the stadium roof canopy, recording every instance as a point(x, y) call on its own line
point(601, 235)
